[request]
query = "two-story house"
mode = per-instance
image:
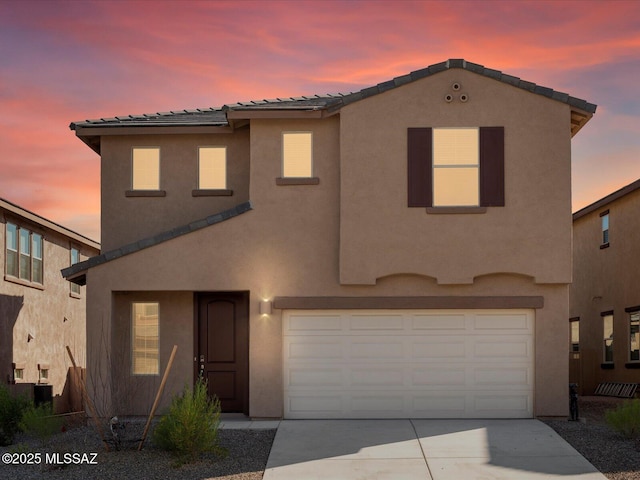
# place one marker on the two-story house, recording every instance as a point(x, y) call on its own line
point(40, 312)
point(605, 297)
point(401, 251)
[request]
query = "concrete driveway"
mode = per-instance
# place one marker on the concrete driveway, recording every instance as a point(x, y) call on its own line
point(423, 449)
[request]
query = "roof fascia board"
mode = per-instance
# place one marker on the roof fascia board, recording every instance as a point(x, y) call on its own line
point(149, 130)
point(612, 197)
point(35, 218)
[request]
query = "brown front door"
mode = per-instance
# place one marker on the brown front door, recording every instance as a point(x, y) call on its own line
point(222, 347)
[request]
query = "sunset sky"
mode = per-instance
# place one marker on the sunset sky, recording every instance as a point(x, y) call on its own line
point(64, 61)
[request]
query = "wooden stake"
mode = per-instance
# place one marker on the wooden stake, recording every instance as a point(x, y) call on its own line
point(89, 402)
point(158, 395)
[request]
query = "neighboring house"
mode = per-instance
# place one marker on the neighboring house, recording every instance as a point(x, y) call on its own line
point(401, 251)
point(605, 295)
point(40, 312)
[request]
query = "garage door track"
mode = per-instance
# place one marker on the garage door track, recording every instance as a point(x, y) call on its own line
point(423, 449)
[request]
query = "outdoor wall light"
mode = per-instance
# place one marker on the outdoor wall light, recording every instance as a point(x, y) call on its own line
point(266, 307)
point(29, 338)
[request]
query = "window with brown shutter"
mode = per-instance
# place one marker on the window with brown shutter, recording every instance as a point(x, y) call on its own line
point(421, 177)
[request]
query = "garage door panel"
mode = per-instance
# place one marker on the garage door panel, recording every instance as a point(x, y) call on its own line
point(301, 350)
point(499, 405)
point(375, 403)
point(435, 377)
point(504, 347)
point(434, 348)
point(438, 322)
point(440, 406)
point(376, 322)
point(502, 321)
point(312, 377)
point(509, 377)
point(428, 364)
point(375, 376)
point(378, 349)
point(310, 323)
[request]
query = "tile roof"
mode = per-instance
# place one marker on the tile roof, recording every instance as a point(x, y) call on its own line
point(77, 272)
point(330, 102)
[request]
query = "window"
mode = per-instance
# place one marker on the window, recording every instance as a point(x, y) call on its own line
point(18, 371)
point(43, 373)
point(634, 336)
point(12, 250)
point(212, 168)
point(575, 335)
point(297, 159)
point(607, 323)
point(145, 339)
point(604, 217)
point(455, 167)
point(146, 168)
point(24, 254)
point(75, 258)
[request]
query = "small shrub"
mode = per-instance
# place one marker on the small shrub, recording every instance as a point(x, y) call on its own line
point(191, 426)
point(40, 421)
point(625, 418)
point(11, 410)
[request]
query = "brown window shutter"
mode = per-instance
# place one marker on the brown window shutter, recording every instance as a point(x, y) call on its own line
point(492, 166)
point(419, 146)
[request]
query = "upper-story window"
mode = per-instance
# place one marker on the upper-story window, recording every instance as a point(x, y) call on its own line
point(604, 219)
point(75, 258)
point(297, 158)
point(24, 252)
point(212, 168)
point(455, 169)
point(146, 168)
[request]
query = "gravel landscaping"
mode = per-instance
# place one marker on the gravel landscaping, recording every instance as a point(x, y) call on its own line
point(615, 456)
point(248, 450)
point(246, 458)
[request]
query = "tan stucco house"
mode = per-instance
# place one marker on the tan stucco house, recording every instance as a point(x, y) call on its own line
point(401, 251)
point(605, 297)
point(40, 312)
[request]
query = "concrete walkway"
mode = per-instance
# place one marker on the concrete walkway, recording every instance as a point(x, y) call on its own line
point(423, 449)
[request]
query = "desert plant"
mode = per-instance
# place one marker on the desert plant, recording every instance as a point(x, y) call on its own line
point(11, 410)
point(40, 421)
point(191, 426)
point(625, 418)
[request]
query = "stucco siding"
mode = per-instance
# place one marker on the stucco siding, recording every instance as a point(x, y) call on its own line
point(605, 279)
point(530, 235)
point(147, 216)
point(37, 323)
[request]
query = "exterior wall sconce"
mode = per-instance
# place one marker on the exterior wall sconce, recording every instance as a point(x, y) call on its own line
point(29, 338)
point(266, 307)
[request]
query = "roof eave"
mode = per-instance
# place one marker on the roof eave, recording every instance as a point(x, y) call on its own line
point(604, 201)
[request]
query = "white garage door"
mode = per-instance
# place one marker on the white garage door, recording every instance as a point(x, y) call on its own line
point(408, 363)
